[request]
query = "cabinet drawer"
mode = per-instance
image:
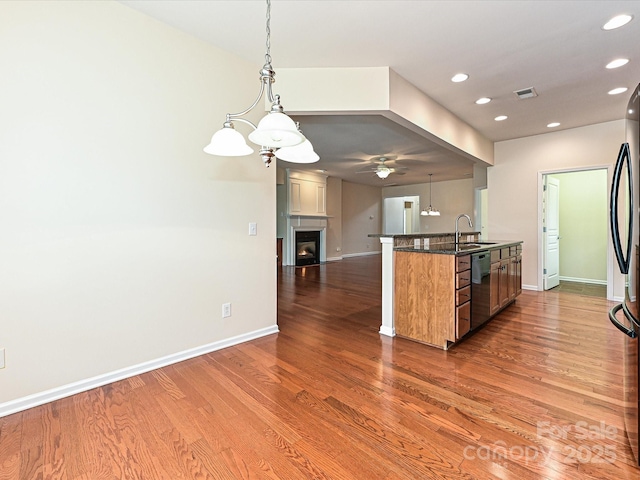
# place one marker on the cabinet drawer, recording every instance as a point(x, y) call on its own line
point(463, 279)
point(504, 253)
point(463, 319)
point(463, 263)
point(463, 295)
point(495, 255)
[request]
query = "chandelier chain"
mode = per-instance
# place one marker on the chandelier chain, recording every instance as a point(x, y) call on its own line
point(267, 56)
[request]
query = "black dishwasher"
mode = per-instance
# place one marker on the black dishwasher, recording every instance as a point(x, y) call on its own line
point(480, 288)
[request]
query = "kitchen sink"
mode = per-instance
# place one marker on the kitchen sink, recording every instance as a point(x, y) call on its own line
point(469, 246)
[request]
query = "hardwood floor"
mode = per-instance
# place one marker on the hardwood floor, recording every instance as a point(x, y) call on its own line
point(579, 288)
point(533, 395)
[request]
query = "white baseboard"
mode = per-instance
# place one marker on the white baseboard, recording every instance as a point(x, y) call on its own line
point(584, 280)
point(530, 287)
point(333, 259)
point(361, 254)
point(57, 393)
point(388, 331)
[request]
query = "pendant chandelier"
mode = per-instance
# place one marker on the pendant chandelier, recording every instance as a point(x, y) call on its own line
point(277, 134)
point(430, 211)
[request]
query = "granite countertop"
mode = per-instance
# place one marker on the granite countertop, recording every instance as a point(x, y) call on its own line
point(463, 248)
point(417, 235)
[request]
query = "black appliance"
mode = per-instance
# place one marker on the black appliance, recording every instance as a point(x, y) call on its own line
point(625, 223)
point(480, 288)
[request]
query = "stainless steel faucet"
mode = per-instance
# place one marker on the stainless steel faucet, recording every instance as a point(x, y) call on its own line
point(458, 229)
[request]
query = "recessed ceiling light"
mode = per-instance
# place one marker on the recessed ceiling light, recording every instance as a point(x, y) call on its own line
point(500, 118)
point(459, 77)
point(483, 100)
point(618, 62)
point(616, 91)
point(617, 22)
point(553, 124)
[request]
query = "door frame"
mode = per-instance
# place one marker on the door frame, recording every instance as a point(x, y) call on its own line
point(541, 174)
point(546, 197)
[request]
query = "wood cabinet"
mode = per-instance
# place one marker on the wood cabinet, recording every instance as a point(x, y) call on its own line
point(505, 277)
point(279, 252)
point(432, 297)
point(433, 292)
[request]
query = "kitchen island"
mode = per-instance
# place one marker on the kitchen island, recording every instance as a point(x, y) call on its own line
point(429, 282)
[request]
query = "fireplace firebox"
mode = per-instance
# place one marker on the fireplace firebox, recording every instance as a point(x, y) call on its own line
point(307, 248)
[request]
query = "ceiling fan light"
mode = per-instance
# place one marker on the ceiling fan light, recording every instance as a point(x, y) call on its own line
point(227, 142)
point(301, 153)
point(276, 130)
point(383, 172)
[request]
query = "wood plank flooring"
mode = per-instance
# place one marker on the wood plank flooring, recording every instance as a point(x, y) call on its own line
point(533, 395)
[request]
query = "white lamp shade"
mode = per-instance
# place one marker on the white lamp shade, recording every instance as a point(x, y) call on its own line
point(302, 153)
point(383, 172)
point(276, 130)
point(226, 142)
point(430, 212)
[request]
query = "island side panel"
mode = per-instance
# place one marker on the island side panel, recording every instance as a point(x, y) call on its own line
point(425, 297)
point(406, 317)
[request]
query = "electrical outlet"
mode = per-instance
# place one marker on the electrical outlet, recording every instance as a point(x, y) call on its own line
point(253, 229)
point(1, 357)
point(226, 310)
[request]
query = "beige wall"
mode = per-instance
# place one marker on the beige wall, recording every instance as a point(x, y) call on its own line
point(361, 215)
point(334, 222)
point(452, 198)
point(584, 203)
point(514, 182)
point(120, 238)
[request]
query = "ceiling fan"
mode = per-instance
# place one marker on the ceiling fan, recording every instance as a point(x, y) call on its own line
point(382, 169)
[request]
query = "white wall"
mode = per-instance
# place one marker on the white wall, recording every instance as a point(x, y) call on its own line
point(452, 198)
point(361, 216)
point(120, 237)
point(334, 222)
point(513, 182)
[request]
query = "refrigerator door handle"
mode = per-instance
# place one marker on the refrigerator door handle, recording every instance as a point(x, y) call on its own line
point(624, 329)
point(623, 157)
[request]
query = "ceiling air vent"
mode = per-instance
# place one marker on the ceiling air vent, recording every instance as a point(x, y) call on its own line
point(526, 93)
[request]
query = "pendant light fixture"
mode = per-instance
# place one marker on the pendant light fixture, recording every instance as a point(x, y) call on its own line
point(430, 211)
point(275, 131)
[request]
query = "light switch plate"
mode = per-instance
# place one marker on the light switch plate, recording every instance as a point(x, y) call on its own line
point(253, 229)
point(1, 357)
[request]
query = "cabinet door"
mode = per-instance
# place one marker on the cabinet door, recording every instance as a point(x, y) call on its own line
point(494, 288)
point(463, 320)
point(504, 282)
point(518, 279)
point(513, 266)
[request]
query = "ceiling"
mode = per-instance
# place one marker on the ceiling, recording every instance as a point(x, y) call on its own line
point(557, 47)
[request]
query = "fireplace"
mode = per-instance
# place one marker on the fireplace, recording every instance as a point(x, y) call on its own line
point(307, 248)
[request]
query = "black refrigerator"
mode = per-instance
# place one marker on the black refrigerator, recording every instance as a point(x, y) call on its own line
point(624, 217)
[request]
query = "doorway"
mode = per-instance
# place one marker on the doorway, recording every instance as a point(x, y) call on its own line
point(401, 214)
point(574, 229)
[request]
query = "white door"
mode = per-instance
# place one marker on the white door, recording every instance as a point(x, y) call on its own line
point(551, 231)
point(408, 217)
point(393, 215)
